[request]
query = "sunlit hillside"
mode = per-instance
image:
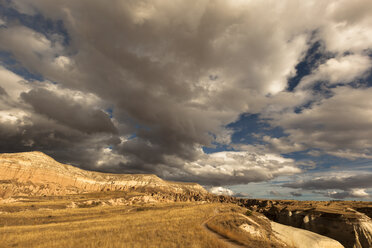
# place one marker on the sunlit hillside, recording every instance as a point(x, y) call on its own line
point(48, 223)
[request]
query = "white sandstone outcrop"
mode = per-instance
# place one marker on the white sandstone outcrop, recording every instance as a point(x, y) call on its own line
point(34, 173)
point(301, 238)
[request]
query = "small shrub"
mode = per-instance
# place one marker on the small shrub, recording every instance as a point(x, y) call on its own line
point(248, 213)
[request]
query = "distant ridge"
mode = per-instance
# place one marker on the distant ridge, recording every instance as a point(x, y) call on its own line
point(35, 173)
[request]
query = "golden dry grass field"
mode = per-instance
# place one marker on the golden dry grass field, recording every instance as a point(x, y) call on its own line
point(228, 224)
point(46, 222)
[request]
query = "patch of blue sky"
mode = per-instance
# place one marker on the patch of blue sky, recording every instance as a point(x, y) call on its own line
point(247, 130)
point(298, 155)
point(7, 60)
point(307, 105)
point(248, 126)
point(132, 136)
point(361, 164)
point(363, 82)
point(37, 22)
point(315, 55)
point(325, 90)
point(344, 164)
point(110, 112)
point(327, 163)
point(217, 148)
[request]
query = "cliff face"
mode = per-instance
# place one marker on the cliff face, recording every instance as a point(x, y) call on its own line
point(34, 173)
point(297, 237)
point(335, 225)
point(338, 220)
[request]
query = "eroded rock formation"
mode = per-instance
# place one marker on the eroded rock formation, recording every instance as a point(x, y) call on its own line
point(34, 173)
point(338, 220)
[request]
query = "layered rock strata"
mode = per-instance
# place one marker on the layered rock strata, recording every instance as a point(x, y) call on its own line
point(34, 173)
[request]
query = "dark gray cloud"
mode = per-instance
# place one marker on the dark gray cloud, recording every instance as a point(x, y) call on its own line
point(335, 182)
point(142, 86)
point(59, 141)
point(343, 186)
point(275, 193)
point(296, 194)
point(2, 91)
point(242, 195)
point(67, 111)
point(151, 63)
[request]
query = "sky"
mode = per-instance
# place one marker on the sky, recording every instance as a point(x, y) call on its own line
point(252, 98)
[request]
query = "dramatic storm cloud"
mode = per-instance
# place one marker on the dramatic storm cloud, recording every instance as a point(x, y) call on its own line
point(217, 92)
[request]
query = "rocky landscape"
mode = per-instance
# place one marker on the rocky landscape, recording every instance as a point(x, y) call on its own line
point(33, 181)
point(349, 222)
point(34, 173)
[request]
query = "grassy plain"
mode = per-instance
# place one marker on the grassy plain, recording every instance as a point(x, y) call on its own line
point(227, 224)
point(46, 222)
